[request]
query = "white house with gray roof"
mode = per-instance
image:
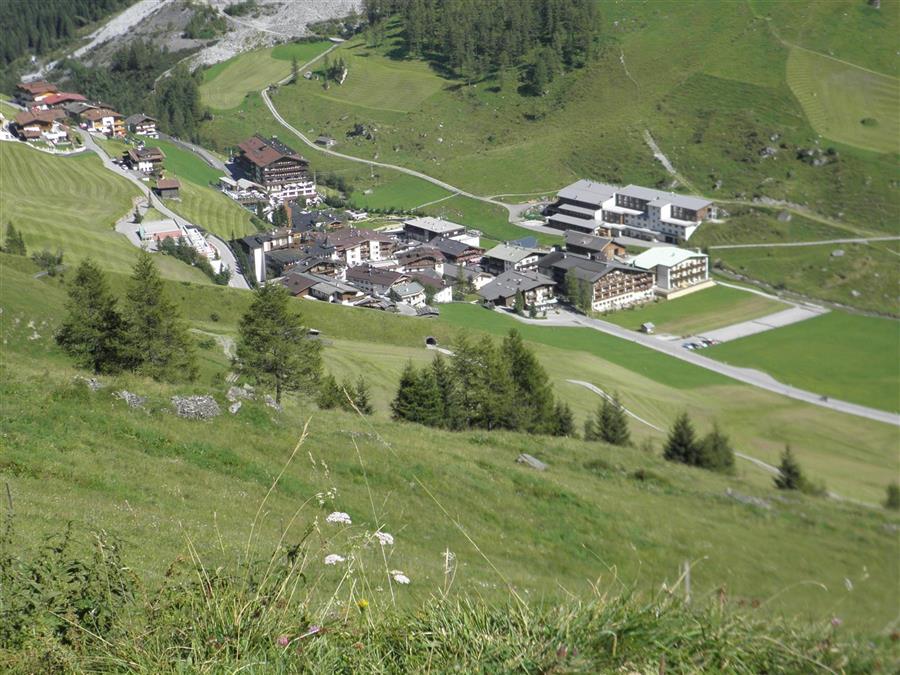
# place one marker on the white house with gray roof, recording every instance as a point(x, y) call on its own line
point(592, 208)
point(675, 269)
point(506, 257)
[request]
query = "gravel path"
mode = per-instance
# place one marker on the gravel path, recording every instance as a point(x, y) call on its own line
point(823, 242)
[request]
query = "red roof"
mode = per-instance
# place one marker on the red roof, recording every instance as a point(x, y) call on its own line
point(167, 184)
point(35, 88)
point(263, 152)
point(63, 97)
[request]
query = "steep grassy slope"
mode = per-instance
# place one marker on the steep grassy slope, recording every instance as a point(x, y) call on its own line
point(159, 481)
point(72, 203)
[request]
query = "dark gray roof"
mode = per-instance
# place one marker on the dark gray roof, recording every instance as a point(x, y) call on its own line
point(649, 194)
point(450, 247)
point(587, 241)
point(509, 283)
point(375, 275)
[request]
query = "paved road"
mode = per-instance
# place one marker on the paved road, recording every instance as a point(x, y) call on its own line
point(823, 242)
point(777, 320)
point(204, 154)
point(749, 376)
point(228, 260)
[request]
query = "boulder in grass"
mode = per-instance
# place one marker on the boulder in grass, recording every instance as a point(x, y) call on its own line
point(272, 403)
point(133, 400)
point(530, 460)
point(196, 407)
point(234, 407)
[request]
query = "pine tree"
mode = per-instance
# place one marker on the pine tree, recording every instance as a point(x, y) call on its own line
point(613, 422)
point(273, 348)
point(93, 330)
point(892, 499)
point(443, 378)
point(716, 453)
point(15, 243)
point(790, 475)
point(681, 445)
point(157, 341)
point(519, 303)
point(405, 405)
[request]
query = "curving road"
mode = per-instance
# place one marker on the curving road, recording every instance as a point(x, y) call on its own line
point(749, 376)
point(237, 280)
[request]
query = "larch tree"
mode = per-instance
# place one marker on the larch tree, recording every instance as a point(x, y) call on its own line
point(93, 330)
point(273, 348)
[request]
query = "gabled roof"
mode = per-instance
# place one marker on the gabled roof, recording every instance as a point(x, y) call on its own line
point(168, 184)
point(37, 117)
point(587, 241)
point(37, 87)
point(63, 97)
point(146, 154)
point(99, 113)
point(510, 283)
point(452, 247)
point(296, 283)
point(451, 271)
point(420, 253)
point(667, 256)
point(429, 278)
point(264, 151)
point(139, 118)
point(408, 290)
point(375, 275)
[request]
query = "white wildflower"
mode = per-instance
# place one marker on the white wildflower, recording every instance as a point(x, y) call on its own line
point(399, 577)
point(334, 559)
point(384, 538)
point(338, 517)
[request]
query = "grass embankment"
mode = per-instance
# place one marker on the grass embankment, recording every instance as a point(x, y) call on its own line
point(541, 531)
point(839, 354)
point(227, 83)
point(865, 276)
point(701, 311)
point(72, 203)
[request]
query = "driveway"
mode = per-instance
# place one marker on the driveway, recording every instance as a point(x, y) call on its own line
point(762, 324)
point(236, 281)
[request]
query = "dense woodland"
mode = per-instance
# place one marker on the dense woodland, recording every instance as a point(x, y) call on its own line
point(475, 38)
point(37, 27)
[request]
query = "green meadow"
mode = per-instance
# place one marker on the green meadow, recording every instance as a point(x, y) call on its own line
point(843, 355)
point(546, 533)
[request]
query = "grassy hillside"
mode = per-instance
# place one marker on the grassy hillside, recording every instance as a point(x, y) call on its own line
point(701, 311)
point(838, 354)
point(72, 203)
point(227, 83)
point(545, 533)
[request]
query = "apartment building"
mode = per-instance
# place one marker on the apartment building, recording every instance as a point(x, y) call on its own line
point(508, 257)
point(282, 172)
point(674, 269)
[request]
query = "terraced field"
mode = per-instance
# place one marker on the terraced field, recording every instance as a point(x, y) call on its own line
point(72, 203)
point(846, 103)
point(226, 84)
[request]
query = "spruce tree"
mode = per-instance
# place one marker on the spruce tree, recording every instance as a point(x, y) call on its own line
point(273, 347)
point(681, 445)
point(533, 395)
point(405, 405)
point(156, 339)
point(497, 393)
point(892, 499)
point(613, 424)
point(716, 453)
point(361, 397)
point(564, 420)
point(450, 405)
point(790, 475)
point(15, 243)
point(330, 395)
point(93, 330)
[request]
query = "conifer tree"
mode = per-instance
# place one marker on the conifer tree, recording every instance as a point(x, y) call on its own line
point(790, 475)
point(93, 330)
point(892, 499)
point(716, 452)
point(450, 406)
point(613, 423)
point(156, 339)
point(361, 396)
point(533, 395)
point(330, 394)
point(519, 303)
point(681, 445)
point(497, 394)
point(273, 348)
point(564, 420)
point(405, 405)
point(295, 70)
point(15, 243)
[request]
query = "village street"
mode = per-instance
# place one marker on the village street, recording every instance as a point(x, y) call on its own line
point(225, 254)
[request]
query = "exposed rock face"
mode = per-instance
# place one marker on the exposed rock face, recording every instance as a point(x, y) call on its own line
point(196, 407)
point(533, 462)
point(244, 393)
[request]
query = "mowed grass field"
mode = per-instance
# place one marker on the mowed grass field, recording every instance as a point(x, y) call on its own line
point(72, 204)
point(226, 84)
point(212, 211)
point(596, 508)
point(865, 276)
point(846, 103)
point(854, 457)
point(701, 311)
point(842, 355)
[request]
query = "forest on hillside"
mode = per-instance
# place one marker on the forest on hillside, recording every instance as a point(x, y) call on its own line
point(474, 38)
point(40, 26)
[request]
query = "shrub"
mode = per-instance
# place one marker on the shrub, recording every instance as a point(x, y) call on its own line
point(892, 500)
